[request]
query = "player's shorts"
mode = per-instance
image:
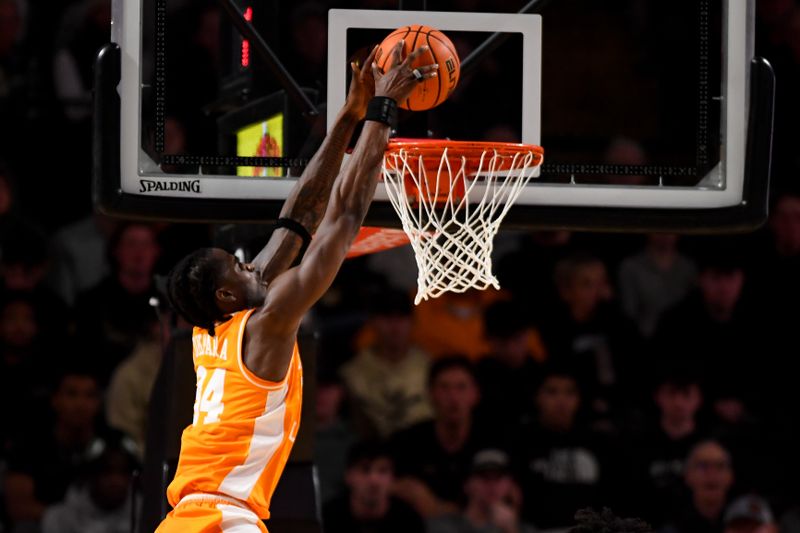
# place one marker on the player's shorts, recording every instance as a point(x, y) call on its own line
point(211, 513)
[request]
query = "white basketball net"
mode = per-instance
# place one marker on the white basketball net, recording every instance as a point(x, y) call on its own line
point(453, 242)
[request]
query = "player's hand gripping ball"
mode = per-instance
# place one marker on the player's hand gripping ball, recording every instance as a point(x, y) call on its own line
point(433, 91)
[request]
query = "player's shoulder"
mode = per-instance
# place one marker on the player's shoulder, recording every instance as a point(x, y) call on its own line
point(269, 322)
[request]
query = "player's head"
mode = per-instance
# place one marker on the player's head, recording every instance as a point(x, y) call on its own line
point(209, 284)
point(590, 521)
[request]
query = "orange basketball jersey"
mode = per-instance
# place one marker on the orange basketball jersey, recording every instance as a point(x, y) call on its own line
point(243, 427)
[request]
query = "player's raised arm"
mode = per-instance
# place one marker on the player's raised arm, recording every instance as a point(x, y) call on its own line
point(308, 199)
point(293, 293)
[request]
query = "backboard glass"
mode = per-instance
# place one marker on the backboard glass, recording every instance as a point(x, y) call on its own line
point(652, 116)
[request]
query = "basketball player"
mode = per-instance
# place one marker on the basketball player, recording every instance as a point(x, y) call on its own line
point(249, 375)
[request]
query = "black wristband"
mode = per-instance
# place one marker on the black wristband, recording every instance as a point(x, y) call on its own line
point(382, 109)
point(299, 229)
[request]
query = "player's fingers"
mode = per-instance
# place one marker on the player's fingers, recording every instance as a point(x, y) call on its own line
point(426, 75)
point(428, 68)
point(376, 72)
point(369, 61)
point(414, 55)
point(355, 69)
point(397, 52)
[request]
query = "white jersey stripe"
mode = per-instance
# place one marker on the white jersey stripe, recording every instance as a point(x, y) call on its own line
point(237, 520)
point(268, 434)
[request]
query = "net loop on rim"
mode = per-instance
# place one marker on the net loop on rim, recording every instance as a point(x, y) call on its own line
point(451, 197)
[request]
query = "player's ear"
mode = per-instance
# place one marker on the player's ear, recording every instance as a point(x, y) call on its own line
point(224, 295)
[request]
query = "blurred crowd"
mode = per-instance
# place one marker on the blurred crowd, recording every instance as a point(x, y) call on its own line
point(653, 374)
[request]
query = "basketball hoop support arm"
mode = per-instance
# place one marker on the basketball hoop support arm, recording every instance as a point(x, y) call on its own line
point(493, 41)
point(273, 63)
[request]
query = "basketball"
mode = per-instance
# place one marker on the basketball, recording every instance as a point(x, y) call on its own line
point(433, 91)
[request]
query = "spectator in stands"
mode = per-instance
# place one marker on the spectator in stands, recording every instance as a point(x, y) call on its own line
point(528, 271)
point(74, 58)
point(24, 360)
point(750, 514)
point(563, 466)
point(433, 458)
point(195, 64)
point(8, 200)
point(13, 64)
point(590, 521)
point(776, 290)
point(587, 328)
point(708, 476)
point(128, 395)
point(80, 257)
point(712, 330)
point(387, 382)
point(369, 505)
point(44, 462)
point(99, 501)
point(453, 323)
point(332, 438)
point(24, 263)
point(659, 452)
point(308, 30)
point(493, 500)
point(116, 314)
point(654, 280)
point(510, 371)
point(626, 151)
point(790, 521)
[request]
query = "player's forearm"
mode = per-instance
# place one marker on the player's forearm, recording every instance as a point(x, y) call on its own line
point(356, 185)
point(307, 202)
point(308, 199)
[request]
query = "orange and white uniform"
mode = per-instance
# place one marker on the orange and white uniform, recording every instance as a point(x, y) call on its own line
point(237, 446)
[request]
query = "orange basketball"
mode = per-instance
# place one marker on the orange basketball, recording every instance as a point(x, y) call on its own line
point(432, 91)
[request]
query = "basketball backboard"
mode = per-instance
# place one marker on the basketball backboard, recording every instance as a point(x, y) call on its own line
point(652, 116)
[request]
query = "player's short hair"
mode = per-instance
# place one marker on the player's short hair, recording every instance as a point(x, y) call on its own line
point(191, 286)
point(590, 521)
point(448, 363)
